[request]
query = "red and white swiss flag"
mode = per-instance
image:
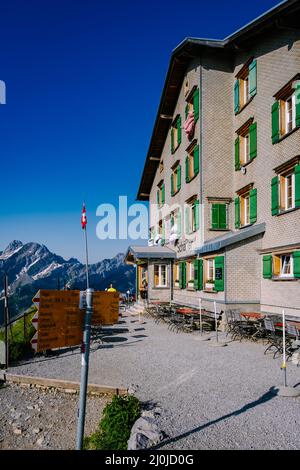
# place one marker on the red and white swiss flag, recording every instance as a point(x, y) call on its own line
point(83, 217)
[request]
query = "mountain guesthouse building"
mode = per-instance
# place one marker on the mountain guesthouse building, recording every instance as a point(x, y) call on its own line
point(222, 173)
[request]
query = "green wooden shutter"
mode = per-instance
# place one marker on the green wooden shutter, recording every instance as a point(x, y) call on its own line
point(253, 205)
point(186, 112)
point(180, 275)
point(172, 184)
point(236, 96)
point(187, 221)
point(179, 129)
point(178, 177)
point(196, 274)
point(157, 196)
point(179, 224)
point(163, 193)
point(296, 257)
point(297, 99)
point(274, 196)
point(267, 267)
point(187, 177)
point(275, 122)
point(196, 104)
point(252, 78)
point(183, 275)
point(200, 275)
point(237, 212)
point(237, 154)
point(172, 140)
point(196, 214)
point(297, 186)
point(219, 272)
point(253, 140)
point(196, 160)
point(222, 216)
point(215, 216)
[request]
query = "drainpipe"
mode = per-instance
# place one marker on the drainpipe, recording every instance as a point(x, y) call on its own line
point(201, 154)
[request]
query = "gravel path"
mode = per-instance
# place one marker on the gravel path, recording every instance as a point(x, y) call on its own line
point(32, 418)
point(210, 398)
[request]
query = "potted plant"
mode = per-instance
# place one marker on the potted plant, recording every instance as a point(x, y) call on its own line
point(191, 283)
point(176, 282)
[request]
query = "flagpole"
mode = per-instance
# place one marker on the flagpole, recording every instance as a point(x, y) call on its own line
point(85, 348)
point(86, 259)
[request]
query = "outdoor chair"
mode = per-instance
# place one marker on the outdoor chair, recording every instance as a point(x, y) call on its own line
point(293, 339)
point(274, 340)
point(240, 327)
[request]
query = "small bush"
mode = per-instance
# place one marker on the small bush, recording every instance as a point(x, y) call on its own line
point(114, 428)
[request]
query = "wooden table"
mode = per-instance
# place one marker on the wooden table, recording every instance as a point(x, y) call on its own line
point(254, 315)
point(187, 311)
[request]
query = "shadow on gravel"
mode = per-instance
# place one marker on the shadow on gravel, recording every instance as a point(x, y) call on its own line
point(114, 339)
point(271, 393)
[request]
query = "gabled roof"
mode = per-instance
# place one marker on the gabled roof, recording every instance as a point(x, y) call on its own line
point(286, 13)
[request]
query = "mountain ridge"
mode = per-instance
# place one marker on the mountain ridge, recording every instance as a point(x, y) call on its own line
point(32, 266)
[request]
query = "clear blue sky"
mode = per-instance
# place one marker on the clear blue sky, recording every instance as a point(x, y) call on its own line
point(84, 79)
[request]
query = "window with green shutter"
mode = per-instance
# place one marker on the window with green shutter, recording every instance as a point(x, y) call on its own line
point(219, 216)
point(296, 261)
point(198, 274)
point(267, 267)
point(297, 103)
point(219, 273)
point(297, 186)
point(253, 140)
point(176, 133)
point(187, 221)
point(196, 214)
point(182, 284)
point(172, 184)
point(196, 104)
point(237, 212)
point(236, 96)
point(178, 177)
point(252, 78)
point(192, 162)
point(275, 122)
point(253, 205)
point(163, 193)
point(237, 154)
point(274, 196)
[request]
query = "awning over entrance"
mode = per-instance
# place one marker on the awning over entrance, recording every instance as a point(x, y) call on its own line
point(230, 238)
point(135, 253)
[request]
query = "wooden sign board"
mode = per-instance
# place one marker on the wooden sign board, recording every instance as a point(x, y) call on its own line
point(105, 308)
point(60, 320)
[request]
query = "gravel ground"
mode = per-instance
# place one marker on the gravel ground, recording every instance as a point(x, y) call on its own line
point(210, 398)
point(32, 418)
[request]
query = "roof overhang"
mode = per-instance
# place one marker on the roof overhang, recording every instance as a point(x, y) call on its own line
point(230, 239)
point(135, 254)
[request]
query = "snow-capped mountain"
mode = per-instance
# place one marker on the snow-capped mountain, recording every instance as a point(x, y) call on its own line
point(32, 266)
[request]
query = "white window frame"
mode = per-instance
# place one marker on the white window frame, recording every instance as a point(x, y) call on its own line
point(285, 190)
point(293, 112)
point(160, 266)
point(282, 264)
point(246, 89)
point(209, 264)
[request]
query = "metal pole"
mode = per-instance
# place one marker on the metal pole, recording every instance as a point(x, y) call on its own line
point(283, 349)
point(216, 323)
point(86, 260)
point(200, 316)
point(85, 352)
point(6, 317)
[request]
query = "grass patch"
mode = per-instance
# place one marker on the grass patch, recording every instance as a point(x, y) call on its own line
point(20, 347)
point(114, 428)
